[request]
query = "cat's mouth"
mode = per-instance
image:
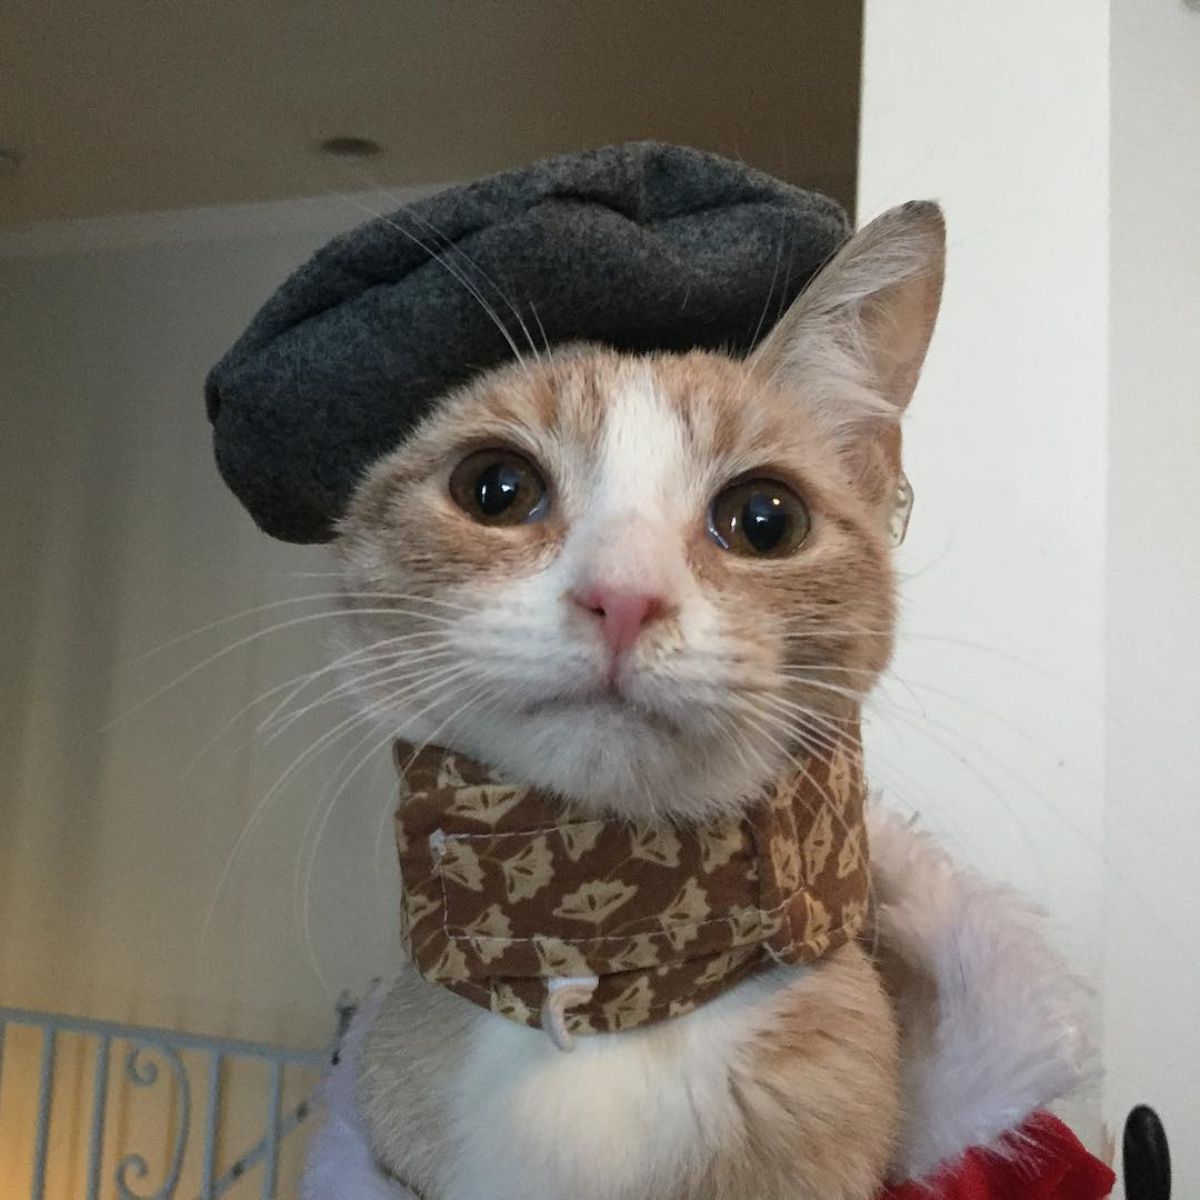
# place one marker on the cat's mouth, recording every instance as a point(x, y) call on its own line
point(606, 701)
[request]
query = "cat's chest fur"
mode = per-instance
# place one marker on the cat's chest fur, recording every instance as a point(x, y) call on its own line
point(782, 1089)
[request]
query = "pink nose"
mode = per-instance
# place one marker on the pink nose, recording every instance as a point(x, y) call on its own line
point(622, 615)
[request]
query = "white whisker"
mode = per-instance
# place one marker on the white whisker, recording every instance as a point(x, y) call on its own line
point(245, 641)
point(241, 615)
point(276, 789)
point(392, 664)
point(359, 654)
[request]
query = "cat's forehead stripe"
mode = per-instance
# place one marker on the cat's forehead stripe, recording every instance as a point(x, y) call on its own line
point(644, 456)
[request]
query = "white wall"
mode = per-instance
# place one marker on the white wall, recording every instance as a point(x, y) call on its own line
point(117, 535)
point(1006, 444)
point(1152, 914)
point(1053, 448)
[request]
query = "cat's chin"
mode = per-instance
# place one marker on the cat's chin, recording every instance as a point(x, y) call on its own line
point(610, 756)
point(612, 710)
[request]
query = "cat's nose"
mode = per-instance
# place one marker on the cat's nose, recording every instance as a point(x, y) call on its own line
point(622, 613)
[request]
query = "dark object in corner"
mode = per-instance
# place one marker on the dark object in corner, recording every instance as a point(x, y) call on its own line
point(1145, 1156)
point(641, 246)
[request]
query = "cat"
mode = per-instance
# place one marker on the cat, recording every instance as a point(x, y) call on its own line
point(642, 582)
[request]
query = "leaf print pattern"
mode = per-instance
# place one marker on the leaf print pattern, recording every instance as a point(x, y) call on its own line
point(655, 843)
point(689, 907)
point(557, 958)
point(451, 967)
point(528, 871)
point(489, 802)
point(718, 844)
point(850, 856)
point(461, 864)
point(680, 936)
point(505, 887)
point(844, 784)
point(818, 924)
point(582, 1023)
point(488, 932)
point(595, 901)
point(747, 924)
point(578, 839)
point(507, 1003)
point(819, 843)
point(639, 953)
point(854, 915)
point(449, 777)
point(631, 1007)
point(718, 968)
point(418, 906)
point(785, 857)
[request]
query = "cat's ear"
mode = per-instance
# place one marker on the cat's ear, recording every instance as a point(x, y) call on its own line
point(852, 345)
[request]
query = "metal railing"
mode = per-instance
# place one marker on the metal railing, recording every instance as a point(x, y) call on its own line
point(146, 1052)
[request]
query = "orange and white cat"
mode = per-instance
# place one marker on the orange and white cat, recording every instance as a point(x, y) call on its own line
point(643, 583)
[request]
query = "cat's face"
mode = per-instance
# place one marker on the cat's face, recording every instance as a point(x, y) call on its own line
point(642, 582)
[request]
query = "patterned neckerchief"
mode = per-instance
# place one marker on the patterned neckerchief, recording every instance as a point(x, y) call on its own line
point(559, 920)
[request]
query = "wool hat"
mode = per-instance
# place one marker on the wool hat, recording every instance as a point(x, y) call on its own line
point(641, 247)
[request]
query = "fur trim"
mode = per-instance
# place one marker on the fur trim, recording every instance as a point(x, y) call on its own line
point(991, 1019)
point(340, 1163)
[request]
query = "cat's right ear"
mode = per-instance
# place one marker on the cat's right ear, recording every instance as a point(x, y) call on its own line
point(852, 344)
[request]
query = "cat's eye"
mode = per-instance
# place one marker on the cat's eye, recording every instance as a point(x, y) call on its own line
point(759, 518)
point(498, 487)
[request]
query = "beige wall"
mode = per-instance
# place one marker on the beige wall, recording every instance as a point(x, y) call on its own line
point(117, 536)
point(176, 105)
point(1152, 915)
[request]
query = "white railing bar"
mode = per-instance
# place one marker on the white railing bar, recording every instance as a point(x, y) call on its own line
point(45, 1088)
point(99, 1108)
point(275, 1098)
point(212, 1117)
point(290, 1123)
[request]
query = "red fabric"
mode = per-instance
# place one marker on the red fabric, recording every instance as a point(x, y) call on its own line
point(1047, 1162)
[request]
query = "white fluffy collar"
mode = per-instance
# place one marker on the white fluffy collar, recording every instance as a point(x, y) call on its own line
point(991, 1018)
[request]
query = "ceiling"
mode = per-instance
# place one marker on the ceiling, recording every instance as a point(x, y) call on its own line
point(118, 106)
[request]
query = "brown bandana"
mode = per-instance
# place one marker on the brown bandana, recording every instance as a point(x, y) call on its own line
point(519, 902)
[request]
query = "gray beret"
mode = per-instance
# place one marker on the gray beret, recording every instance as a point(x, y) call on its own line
point(641, 247)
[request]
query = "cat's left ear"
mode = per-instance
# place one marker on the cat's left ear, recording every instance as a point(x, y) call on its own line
point(852, 345)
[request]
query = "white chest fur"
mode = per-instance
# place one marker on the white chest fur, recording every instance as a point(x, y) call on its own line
point(636, 1111)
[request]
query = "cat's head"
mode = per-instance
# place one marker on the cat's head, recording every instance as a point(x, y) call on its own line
point(645, 582)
